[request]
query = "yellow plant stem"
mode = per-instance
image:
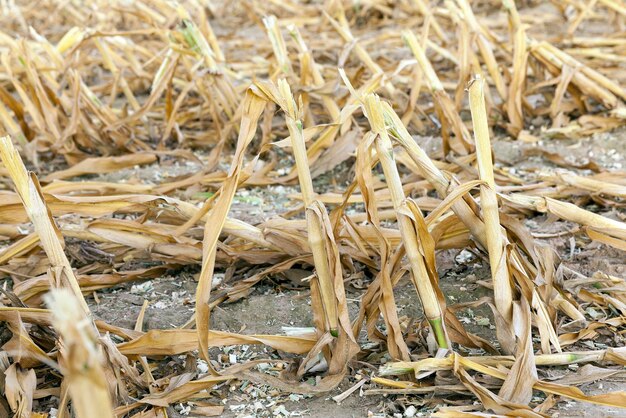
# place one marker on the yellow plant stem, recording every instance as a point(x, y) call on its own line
point(503, 292)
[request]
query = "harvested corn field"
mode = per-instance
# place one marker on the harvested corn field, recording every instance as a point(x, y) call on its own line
point(297, 208)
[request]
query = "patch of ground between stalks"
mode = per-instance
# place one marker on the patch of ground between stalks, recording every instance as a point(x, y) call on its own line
point(269, 307)
point(266, 311)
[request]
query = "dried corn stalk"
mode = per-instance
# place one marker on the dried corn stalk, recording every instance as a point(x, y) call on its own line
point(81, 358)
point(27, 186)
point(496, 240)
point(409, 216)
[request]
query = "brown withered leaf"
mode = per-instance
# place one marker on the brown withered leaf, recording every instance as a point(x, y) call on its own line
point(19, 389)
point(102, 165)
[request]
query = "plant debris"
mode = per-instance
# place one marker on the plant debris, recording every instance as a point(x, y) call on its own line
point(286, 141)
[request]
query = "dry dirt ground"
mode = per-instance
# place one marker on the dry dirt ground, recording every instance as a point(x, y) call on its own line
point(280, 302)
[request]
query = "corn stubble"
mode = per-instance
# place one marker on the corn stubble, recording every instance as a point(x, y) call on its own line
point(137, 84)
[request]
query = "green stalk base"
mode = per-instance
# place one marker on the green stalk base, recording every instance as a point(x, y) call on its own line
point(440, 335)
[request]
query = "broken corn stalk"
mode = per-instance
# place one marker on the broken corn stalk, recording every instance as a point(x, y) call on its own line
point(503, 292)
point(419, 272)
point(314, 228)
point(27, 187)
